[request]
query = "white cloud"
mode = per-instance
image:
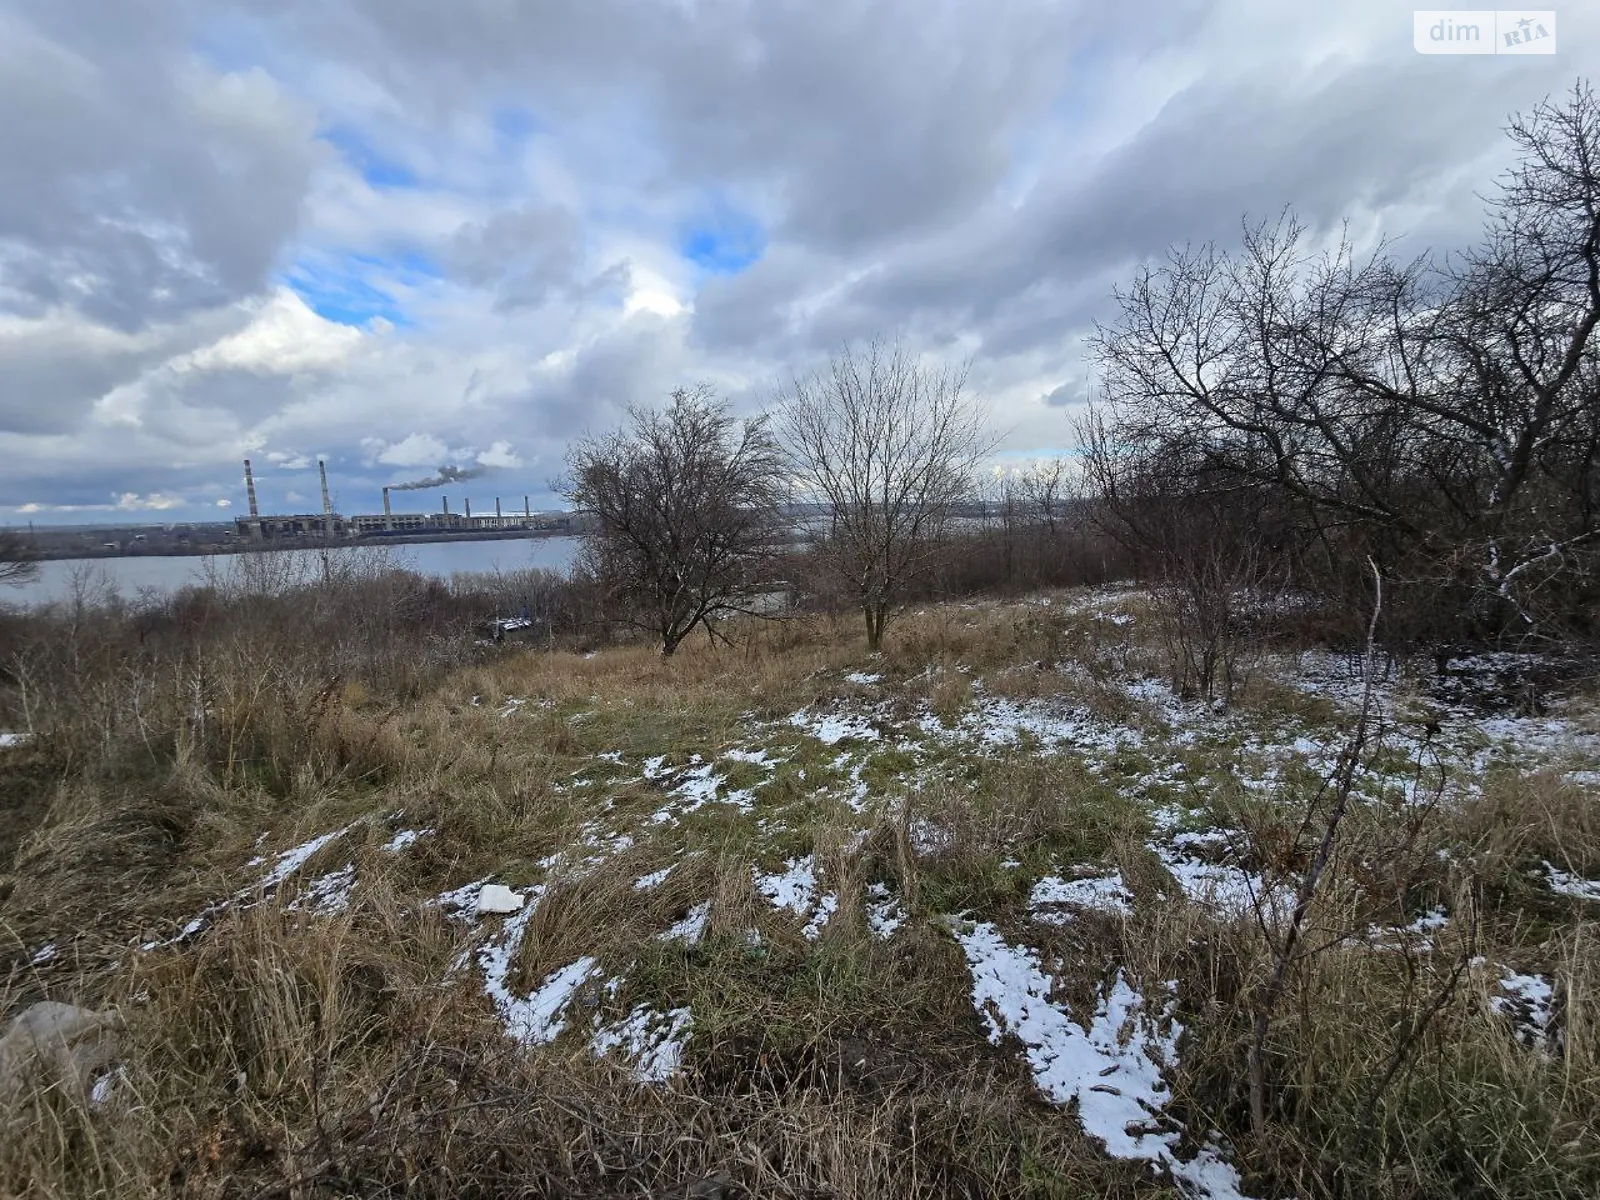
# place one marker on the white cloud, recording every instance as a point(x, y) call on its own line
point(284, 337)
point(500, 455)
point(154, 502)
point(414, 450)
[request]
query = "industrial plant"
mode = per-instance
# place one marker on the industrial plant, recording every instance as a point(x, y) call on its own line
point(328, 525)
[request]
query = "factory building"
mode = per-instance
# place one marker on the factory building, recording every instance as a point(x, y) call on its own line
point(329, 524)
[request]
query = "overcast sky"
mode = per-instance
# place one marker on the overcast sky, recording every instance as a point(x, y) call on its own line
point(401, 234)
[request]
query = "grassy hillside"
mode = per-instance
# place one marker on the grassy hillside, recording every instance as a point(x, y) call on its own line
point(992, 914)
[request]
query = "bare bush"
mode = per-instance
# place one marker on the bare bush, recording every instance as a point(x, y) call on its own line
point(17, 562)
point(1197, 605)
point(685, 502)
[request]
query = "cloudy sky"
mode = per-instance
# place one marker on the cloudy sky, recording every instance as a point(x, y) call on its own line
point(400, 234)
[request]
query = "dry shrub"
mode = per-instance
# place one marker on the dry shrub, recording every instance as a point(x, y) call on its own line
point(1520, 821)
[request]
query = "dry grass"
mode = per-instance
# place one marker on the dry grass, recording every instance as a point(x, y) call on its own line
point(282, 1052)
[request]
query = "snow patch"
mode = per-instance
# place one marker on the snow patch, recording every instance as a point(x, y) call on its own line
point(406, 837)
point(795, 889)
point(651, 1041)
point(692, 927)
point(1525, 1002)
point(1112, 1069)
point(1223, 887)
point(291, 861)
point(1567, 884)
point(1101, 893)
point(327, 894)
point(833, 728)
point(538, 1018)
point(884, 912)
point(458, 901)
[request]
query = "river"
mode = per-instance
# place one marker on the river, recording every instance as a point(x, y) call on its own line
point(133, 577)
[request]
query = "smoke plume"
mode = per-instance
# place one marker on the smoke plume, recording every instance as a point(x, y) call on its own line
point(446, 475)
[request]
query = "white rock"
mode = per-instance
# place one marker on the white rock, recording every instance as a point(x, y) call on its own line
point(497, 898)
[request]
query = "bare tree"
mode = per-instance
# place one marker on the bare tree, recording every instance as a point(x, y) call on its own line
point(1441, 418)
point(18, 564)
point(887, 447)
point(685, 502)
point(1047, 487)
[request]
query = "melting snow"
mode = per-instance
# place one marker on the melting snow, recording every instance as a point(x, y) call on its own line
point(1109, 1069)
point(929, 838)
point(459, 900)
point(1430, 922)
point(1221, 886)
point(652, 881)
point(832, 728)
point(796, 890)
point(540, 1017)
point(1568, 884)
point(1525, 1002)
point(692, 927)
point(862, 678)
point(328, 893)
point(652, 1041)
point(8, 740)
point(404, 838)
point(698, 786)
point(1105, 893)
point(291, 861)
point(884, 912)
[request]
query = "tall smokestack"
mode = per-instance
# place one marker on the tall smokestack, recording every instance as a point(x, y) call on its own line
point(446, 500)
point(497, 510)
point(327, 504)
point(468, 503)
point(527, 513)
point(250, 491)
point(388, 513)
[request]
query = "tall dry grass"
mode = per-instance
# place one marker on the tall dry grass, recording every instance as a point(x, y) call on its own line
point(276, 1052)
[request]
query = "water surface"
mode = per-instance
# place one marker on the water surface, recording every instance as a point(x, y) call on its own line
point(161, 574)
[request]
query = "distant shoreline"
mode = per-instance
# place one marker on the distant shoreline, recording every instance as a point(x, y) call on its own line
point(210, 549)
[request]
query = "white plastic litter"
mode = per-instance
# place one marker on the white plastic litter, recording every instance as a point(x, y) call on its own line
point(496, 899)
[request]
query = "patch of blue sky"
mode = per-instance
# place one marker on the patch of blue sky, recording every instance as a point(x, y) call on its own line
point(352, 289)
point(376, 168)
point(230, 43)
point(723, 241)
point(514, 124)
